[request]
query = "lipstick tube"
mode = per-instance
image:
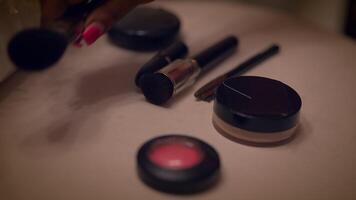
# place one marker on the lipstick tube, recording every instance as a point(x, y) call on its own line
point(161, 86)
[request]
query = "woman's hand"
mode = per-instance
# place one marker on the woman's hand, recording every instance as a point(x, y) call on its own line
point(97, 22)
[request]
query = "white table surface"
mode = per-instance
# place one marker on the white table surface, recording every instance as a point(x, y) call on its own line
point(72, 132)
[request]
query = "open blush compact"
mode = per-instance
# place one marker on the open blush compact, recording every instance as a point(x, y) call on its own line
point(256, 110)
point(178, 164)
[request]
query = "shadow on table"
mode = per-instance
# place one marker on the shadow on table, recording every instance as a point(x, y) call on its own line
point(12, 84)
point(114, 82)
point(95, 92)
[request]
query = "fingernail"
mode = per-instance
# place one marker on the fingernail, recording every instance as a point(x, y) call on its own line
point(92, 32)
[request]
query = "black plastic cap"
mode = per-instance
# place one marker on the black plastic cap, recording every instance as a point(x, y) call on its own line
point(145, 29)
point(258, 104)
point(157, 88)
point(36, 49)
point(217, 52)
point(162, 59)
point(191, 180)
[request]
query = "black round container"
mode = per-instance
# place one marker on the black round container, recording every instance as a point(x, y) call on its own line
point(178, 164)
point(146, 29)
point(256, 110)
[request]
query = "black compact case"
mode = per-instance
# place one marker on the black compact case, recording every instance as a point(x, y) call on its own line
point(146, 29)
point(194, 179)
point(256, 110)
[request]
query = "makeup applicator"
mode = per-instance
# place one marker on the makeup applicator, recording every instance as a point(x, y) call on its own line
point(163, 58)
point(39, 48)
point(161, 86)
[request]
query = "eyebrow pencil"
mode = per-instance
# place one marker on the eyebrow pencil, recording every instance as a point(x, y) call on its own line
point(207, 92)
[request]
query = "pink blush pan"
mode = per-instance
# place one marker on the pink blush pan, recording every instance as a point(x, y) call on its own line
point(176, 156)
point(178, 164)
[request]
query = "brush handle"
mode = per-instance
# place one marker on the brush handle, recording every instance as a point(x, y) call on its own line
point(254, 61)
point(218, 51)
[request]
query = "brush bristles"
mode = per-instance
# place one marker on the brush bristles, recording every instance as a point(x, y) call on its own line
point(36, 49)
point(157, 88)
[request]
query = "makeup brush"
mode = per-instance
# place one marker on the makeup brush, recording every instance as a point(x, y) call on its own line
point(161, 86)
point(38, 48)
point(207, 92)
point(178, 50)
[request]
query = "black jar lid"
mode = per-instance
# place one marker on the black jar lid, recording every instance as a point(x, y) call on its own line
point(258, 104)
point(178, 164)
point(145, 29)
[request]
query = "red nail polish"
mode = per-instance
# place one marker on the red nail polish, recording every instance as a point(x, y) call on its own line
point(92, 33)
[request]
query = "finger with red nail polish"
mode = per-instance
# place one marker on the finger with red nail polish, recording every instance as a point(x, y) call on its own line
point(107, 15)
point(92, 33)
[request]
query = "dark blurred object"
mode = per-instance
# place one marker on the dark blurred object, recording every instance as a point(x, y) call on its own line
point(39, 48)
point(146, 29)
point(350, 28)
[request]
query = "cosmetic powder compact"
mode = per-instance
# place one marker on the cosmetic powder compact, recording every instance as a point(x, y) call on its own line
point(256, 110)
point(145, 29)
point(178, 164)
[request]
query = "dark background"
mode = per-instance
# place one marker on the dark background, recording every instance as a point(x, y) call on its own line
point(350, 25)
